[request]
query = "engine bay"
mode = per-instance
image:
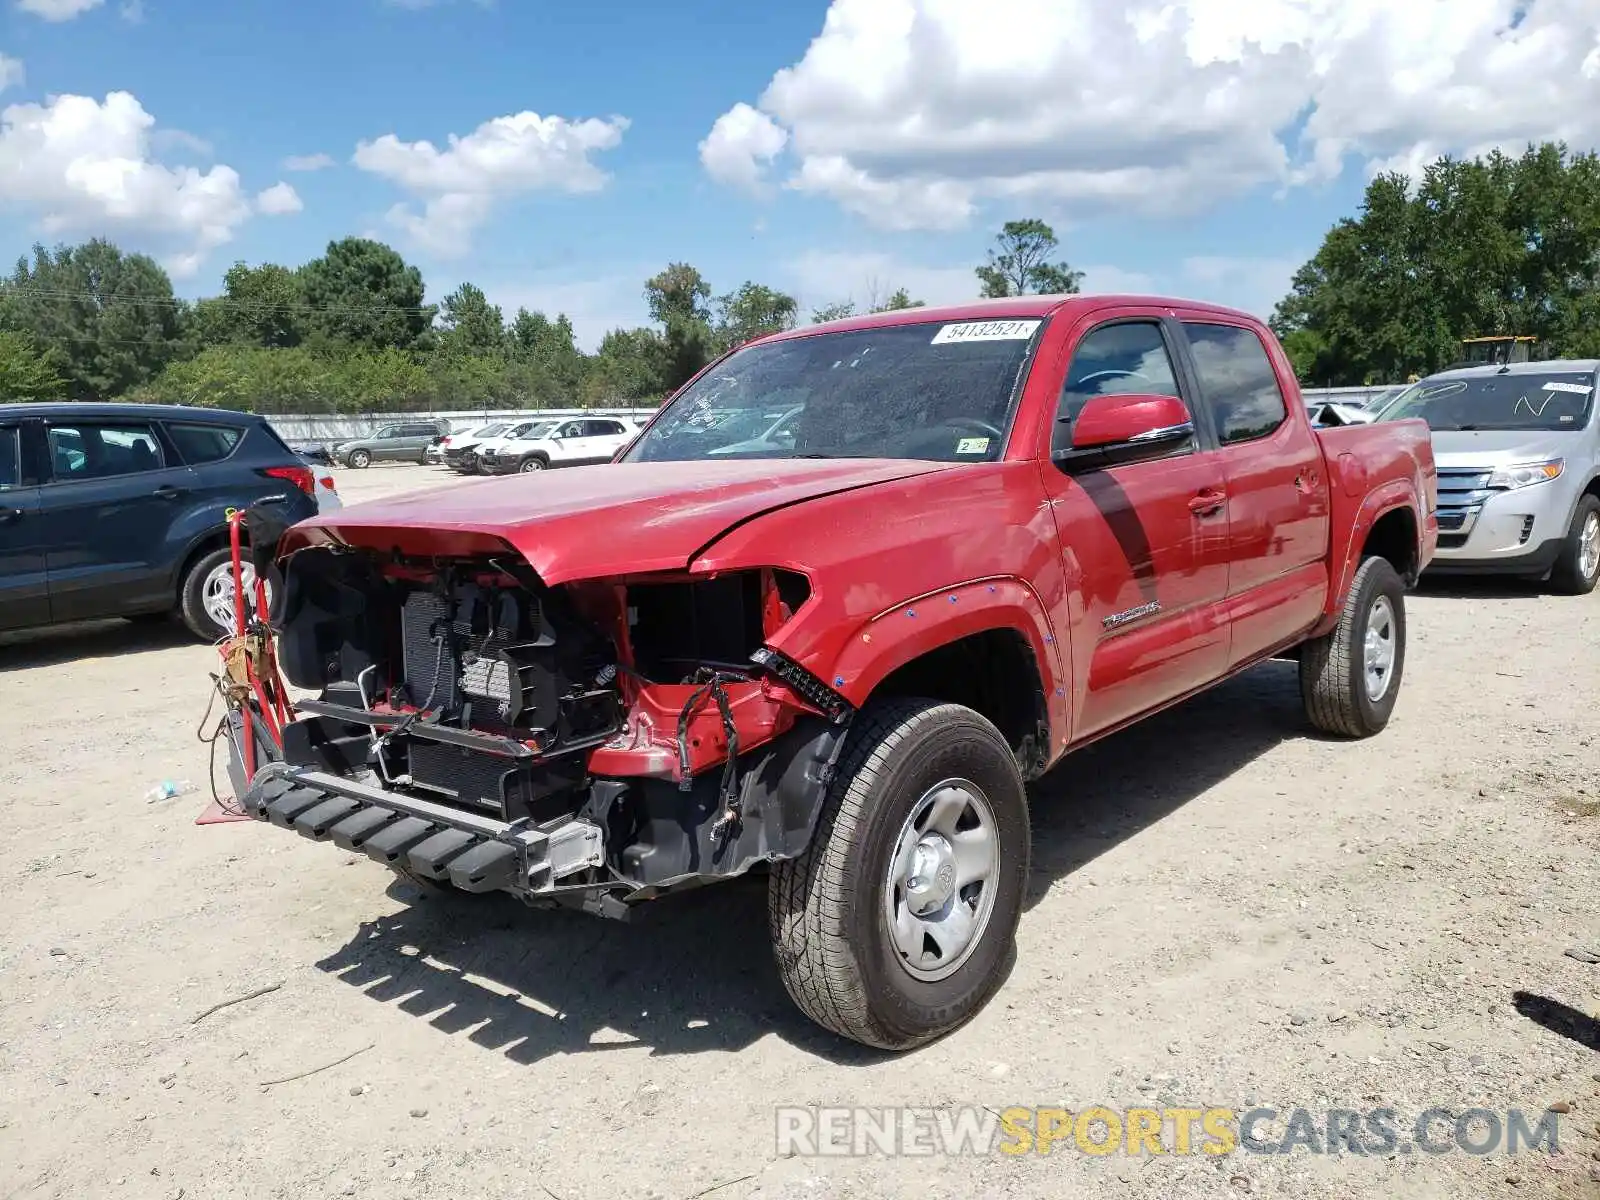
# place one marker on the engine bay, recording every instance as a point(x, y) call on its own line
point(643, 707)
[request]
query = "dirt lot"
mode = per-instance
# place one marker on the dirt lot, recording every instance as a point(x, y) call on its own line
point(1225, 910)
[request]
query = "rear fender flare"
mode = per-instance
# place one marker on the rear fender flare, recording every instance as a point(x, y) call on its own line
point(1392, 496)
point(914, 627)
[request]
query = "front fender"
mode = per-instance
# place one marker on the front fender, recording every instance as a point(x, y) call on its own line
point(896, 636)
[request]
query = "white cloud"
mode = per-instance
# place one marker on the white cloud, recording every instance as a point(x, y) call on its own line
point(913, 112)
point(740, 146)
point(279, 200)
point(82, 166)
point(503, 157)
point(12, 73)
point(308, 162)
point(57, 10)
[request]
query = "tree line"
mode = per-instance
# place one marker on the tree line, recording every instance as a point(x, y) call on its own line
point(1492, 246)
point(349, 332)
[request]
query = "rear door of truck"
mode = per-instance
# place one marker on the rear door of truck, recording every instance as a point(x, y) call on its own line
point(1275, 479)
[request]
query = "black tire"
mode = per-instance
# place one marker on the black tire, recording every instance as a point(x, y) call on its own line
point(534, 462)
point(1333, 668)
point(358, 459)
point(422, 458)
point(1571, 576)
point(826, 909)
point(191, 595)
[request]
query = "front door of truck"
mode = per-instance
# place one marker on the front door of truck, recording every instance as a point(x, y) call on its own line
point(1144, 543)
point(1277, 497)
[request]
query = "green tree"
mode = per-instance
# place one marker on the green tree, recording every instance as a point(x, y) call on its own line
point(25, 372)
point(632, 364)
point(898, 299)
point(259, 306)
point(1020, 264)
point(471, 325)
point(362, 293)
point(833, 312)
point(1494, 245)
point(678, 298)
point(109, 321)
point(549, 349)
point(753, 311)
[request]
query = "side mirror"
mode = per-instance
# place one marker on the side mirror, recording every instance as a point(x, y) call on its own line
point(1125, 428)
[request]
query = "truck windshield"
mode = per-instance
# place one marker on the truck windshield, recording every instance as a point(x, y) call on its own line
point(1514, 401)
point(931, 390)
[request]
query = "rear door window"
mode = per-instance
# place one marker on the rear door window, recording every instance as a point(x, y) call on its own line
point(204, 443)
point(1237, 381)
point(100, 451)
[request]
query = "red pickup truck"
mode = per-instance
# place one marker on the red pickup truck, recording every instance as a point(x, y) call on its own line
point(841, 600)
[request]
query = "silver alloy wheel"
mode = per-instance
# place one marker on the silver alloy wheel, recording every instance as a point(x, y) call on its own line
point(1589, 547)
point(216, 594)
point(532, 464)
point(941, 884)
point(1378, 652)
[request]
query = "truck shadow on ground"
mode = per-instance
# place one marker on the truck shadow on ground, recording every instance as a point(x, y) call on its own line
point(695, 973)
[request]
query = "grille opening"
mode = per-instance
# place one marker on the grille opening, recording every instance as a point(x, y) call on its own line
point(1527, 530)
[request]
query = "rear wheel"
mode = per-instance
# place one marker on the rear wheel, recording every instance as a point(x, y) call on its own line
point(1350, 678)
point(897, 923)
point(1577, 568)
point(206, 600)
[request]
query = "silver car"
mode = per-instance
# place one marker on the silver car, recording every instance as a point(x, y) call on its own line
point(1518, 453)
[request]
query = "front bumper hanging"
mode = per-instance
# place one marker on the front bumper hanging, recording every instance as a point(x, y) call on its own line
point(472, 851)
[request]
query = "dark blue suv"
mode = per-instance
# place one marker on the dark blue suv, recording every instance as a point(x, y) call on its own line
point(120, 510)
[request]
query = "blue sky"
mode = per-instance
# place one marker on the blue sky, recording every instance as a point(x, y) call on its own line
point(1221, 205)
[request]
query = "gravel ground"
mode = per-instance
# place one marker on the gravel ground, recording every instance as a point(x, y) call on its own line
point(1226, 910)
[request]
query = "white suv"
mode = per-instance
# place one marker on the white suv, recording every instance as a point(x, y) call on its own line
point(569, 443)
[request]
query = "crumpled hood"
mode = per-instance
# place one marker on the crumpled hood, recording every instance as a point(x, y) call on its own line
point(591, 522)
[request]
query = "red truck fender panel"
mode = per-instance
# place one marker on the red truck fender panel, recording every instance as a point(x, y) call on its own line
point(1391, 497)
point(914, 627)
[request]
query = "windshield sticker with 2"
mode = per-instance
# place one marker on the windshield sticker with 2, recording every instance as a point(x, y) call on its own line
point(986, 331)
point(978, 445)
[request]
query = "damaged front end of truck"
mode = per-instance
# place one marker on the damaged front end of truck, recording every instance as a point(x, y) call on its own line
point(593, 743)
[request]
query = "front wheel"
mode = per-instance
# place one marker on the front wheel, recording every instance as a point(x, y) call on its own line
point(1578, 566)
point(359, 459)
point(532, 463)
point(897, 923)
point(1350, 677)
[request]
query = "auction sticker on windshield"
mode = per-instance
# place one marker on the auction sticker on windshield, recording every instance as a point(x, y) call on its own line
point(986, 331)
point(1577, 389)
